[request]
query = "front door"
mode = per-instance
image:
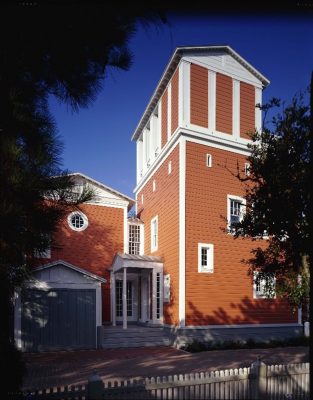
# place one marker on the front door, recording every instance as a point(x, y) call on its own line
point(131, 300)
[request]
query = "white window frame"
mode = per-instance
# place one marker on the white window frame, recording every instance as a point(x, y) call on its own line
point(247, 169)
point(243, 209)
point(154, 233)
point(259, 294)
point(208, 160)
point(210, 258)
point(141, 198)
point(85, 219)
point(153, 185)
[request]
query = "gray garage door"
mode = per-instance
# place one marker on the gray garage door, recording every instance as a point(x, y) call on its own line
point(58, 319)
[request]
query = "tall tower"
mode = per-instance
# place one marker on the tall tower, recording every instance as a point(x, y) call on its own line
point(191, 139)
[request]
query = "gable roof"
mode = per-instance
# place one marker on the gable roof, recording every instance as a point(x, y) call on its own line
point(70, 266)
point(105, 187)
point(171, 66)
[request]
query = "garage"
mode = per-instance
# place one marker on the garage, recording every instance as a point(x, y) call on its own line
point(60, 309)
point(58, 319)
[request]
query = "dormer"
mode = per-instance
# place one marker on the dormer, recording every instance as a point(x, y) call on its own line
point(208, 90)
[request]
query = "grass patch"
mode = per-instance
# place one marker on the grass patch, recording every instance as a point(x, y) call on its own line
point(197, 346)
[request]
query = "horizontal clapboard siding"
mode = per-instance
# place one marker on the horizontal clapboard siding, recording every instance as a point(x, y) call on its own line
point(247, 109)
point(224, 103)
point(198, 95)
point(226, 295)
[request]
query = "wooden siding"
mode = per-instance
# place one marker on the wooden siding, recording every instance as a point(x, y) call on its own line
point(226, 295)
point(198, 95)
point(164, 120)
point(94, 248)
point(174, 102)
point(224, 103)
point(164, 203)
point(247, 109)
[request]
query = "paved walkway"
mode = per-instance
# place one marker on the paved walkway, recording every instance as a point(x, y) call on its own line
point(73, 367)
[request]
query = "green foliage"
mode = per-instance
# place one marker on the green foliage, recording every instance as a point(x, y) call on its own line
point(278, 202)
point(197, 346)
point(61, 50)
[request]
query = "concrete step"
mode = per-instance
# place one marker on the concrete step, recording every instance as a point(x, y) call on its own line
point(133, 336)
point(134, 344)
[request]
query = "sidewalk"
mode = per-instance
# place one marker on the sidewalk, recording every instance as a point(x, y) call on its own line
point(73, 367)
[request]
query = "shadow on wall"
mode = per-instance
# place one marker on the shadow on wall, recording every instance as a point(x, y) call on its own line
point(248, 312)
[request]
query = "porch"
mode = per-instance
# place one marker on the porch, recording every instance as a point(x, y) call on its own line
point(136, 290)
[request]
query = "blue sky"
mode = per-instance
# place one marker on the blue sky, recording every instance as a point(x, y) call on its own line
point(97, 140)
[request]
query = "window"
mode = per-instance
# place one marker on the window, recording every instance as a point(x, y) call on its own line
point(77, 221)
point(205, 257)
point(134, 239)
point(154, 185)
point(154, 234)
point(142, 199)
point(263, 286)
point(235, 211)
point(170, 167)
point(208, 160)
point(247, 169)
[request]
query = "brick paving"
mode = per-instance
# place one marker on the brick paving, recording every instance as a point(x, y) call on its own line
point(73, 367)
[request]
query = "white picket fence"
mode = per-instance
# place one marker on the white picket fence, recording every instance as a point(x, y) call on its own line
point(259, 381)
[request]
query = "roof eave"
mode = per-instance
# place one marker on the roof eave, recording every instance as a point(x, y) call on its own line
point(171, 66)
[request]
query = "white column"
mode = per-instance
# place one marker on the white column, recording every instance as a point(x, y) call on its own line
point(154, 319)
point(258, 112)
point(184, 94)
point(113, 300)
point(125, 298)
point(161, 296)
point(212, 100)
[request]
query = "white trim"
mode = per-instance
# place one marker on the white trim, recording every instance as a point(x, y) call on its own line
point(154, 222)
point(182, 232)
point(194, 59)
point(210, 258)
point(236, 108)
point(182, 53)
point(233, 326)
point(258, 112)
point(212, 141)
point(169, 111)
point(184, 93)
point(142, 239)
point(108, 204)
point(153, 185)
point(108, 188)
point(125, 231)
point(202, 137)
point(221, 137)
point(165, 153)
point(208, 160)
point(212, 100)
point(84, 218)
point(235, 198)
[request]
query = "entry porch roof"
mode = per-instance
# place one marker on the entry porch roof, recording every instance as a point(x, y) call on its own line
point(135, 262)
